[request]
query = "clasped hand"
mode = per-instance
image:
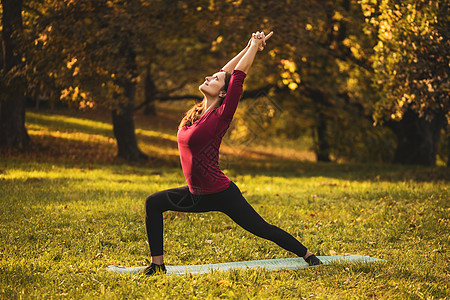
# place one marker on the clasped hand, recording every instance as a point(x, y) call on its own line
point(259, 39)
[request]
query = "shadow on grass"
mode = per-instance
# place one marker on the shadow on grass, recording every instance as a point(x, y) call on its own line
point(58, 150)
point(63, 122)
point(234, 168)
point(100, 148)
point(347, 171)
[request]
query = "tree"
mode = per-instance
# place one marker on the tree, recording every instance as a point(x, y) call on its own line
point(323, 56)
point(102, 50)
point(12, 93)
point(411, 72)
point(99, 65)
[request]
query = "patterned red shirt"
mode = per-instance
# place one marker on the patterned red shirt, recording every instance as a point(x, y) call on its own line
point(199, 143)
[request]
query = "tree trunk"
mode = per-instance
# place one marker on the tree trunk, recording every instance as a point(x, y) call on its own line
point(12, 97)
point(122, 116)
point(417, 139)
point(150, 91)
point(448, 150)
point(123, 127)
point(322, 147)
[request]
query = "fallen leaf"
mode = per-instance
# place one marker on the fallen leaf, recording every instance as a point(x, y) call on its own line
point(224, 282)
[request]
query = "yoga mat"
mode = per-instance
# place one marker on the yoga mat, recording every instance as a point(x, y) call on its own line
point(268, 264)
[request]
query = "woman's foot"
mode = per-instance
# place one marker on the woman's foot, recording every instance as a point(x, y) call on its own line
point(154, 269)
point(311, 259)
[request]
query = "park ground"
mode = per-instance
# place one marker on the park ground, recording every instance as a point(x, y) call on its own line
point(69, 209)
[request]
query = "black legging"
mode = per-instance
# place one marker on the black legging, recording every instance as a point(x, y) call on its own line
point(230, 201)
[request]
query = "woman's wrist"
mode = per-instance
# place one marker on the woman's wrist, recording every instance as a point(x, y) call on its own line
point(253, 46)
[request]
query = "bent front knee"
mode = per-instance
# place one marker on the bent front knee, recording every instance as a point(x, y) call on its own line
point(150, 202)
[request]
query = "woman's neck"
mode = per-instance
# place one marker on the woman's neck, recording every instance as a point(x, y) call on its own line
point(210, 103)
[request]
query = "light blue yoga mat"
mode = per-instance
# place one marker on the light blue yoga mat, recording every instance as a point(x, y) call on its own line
point(268, 264)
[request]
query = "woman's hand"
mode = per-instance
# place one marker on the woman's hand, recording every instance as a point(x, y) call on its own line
point(231, 65)
point(259, 39)
point(257, 42)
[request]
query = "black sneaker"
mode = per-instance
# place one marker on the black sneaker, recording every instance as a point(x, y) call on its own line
point(154, 269)
point(312, 260)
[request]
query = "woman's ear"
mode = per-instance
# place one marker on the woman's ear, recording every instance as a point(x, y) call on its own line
point(222, 94)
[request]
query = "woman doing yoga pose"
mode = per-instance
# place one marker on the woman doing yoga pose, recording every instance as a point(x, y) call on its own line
point(208, 189)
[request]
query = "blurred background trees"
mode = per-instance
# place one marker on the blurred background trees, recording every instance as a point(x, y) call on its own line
point(411, 70)
point(366, 80)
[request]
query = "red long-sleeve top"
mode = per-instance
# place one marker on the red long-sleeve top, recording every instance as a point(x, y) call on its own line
point(199, 143)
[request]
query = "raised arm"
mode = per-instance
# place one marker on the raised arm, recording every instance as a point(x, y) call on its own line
point(230, 103)
point(258, 41)
point(233, 62)
point(231, 65)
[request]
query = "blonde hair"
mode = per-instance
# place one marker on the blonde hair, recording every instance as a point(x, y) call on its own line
point(192, 114)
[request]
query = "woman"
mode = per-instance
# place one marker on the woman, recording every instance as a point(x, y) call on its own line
point(208, 189)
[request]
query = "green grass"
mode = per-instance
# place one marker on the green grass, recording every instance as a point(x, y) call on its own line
point(65, 217)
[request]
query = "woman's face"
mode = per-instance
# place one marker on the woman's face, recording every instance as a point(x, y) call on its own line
point(213, 84)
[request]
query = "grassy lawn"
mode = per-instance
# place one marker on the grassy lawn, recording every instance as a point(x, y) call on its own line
point(69, 209)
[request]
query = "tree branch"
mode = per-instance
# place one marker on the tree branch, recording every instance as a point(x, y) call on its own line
point(256, 93)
